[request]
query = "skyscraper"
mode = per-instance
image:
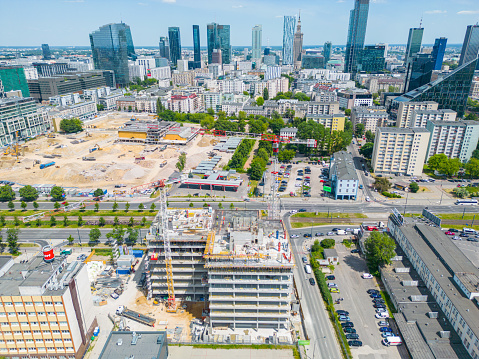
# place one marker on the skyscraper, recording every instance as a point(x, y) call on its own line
point(327, 51)
point(358, 21)
point(111, 45)
point(438, 51)
point(470, 47)
point(289, 24)
point(196, 47)
point(298, 45)
point(419, 69)
point(175, 44)
point(372, 58)
point(47, 55)
point(218, 37)
point(414, 42)
point(164, 47)
point(257, 34)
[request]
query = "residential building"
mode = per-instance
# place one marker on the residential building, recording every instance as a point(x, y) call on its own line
point(400, 150)
point(185, 104)
point(319, 108)
point(272, 72)
point(31, 73)
point(456, 139)
point(144, 132)
point(109, 100)
point(419, 118)
point(358, 21)
point(45, 69)
point(146, 63)
point(231, 86)
point(470, 46)
point(216, 57)
point(438, 52)
point(289, 24)
point(343, 176)
point(354, 98)
point(126, 103)
point(218, 37)
point(333, 122)
point(47, 55)
point(327, 50)
point(46, 309)
point(405, 110)
point(183, 78)
point(174, 44)
point(384, 84)
point(111, 45)
point(372, 59)
point(288, 133)
point(182, 65)
point(298, 45)
point(65, 100)
point(257, 35)
point(84, 110)
point(164, 48)
point(371, 117)
point(324, 94)
point(151, 345)
point(313, 62)
point(212, 100)
point(160, 73)
point(13, 78)
point(450, 91)
point(419, 69)
point(414, 42)
point(474, 92)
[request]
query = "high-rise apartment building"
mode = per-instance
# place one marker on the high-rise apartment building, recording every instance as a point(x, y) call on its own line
point(327, 48)
point(403, 111)
point(13, 79)
point(419, 118)
point(298, 45)
point(371, 117)
point(419, 69)
point(111, 45)
point(372, 59)
point(257, 35)
point(289, 23)
point(470, 47)
point(175, 44)
point(196, 47)
point(47, 55)
point(45, 69)
point(400, 150)
point(164, 47)
point(218, 37)
point(358, 21)
point(438, 51)
point(414, 42)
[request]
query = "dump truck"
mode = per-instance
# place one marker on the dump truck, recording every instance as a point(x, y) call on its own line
point(138, 317)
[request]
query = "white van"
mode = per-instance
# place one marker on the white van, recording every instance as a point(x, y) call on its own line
point(469, 230)
point(307, 269)
point(341, 232)
point(392, 341)
point(382, 315)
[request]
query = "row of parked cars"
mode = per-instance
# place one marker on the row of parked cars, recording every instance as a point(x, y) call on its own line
point(467, 233)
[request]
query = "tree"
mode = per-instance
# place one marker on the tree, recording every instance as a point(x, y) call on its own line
point(143, 221)
point(101, 221)
point(471, 117)
point(131, 222)
point(191, 204)
point(23, 204)
point(94, 235)
point(451, 167)
point(475, 154)
point(180, 165)
point(35, 205)
point(210, 111)
point(347, 112)
point(80, 221)
point(118, 234)
point(257, 168)
point(328, 243)
point(98, 192)
point(152, 207)
point(367, 150)
point(12, 240)
point(276, 124)
point(6, 193)
point(208, 123)
point(57, 193)
point(286, 155)
point(382, 184)
point(359, 130)
point(220, 205)
point(379, 250)
point(460, 192)
point(246, 93)
point(16, 221)
point(71, 125)
point(100, 107)
point(472, 167)
point(3, 221)
point(56, 205)
point(263, 154)
point(28, 193)
point(70, 240)
point(257, 126)
point(127, 206)
point(232, 206)
point(116, 221)
point(53, 221)
point(316, 247)
point(265, 94)
point(132, 235)
point(11, 206)
point(260, 101)
point(369, 136)
point(141, 207)
point(115, 206)
point(66, 222)
point(97, 206)
point(414, 187)
point(38, 222)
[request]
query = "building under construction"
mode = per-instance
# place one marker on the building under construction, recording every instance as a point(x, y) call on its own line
point(144, 132)
point(237, 261)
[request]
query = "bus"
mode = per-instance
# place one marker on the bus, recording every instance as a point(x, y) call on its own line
point(466, 202)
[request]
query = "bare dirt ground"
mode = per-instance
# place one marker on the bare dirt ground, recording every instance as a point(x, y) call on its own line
point(115, 162)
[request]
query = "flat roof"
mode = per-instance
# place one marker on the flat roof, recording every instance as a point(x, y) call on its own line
point(138, 345)
point(403, 130)
point(343, 166)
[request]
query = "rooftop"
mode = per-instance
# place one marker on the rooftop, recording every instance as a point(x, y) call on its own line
point(342, 166)
point(403, 130)
point(148, 345)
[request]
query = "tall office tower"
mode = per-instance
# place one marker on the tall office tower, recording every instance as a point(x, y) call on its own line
point(358, 21)
point(298, 45)
point(164, 47)
point(47, 55)
point(327, 51)
point(372, 58)
point(175, 44)
point(257, 34)
point(418, 71)
point(414, 42)
point(196, 47)
point(216, 57)
point(438, 52)
point(289, 24)
point(111, 45)
point(470, 47)
point(218, 37)
point(386, 48)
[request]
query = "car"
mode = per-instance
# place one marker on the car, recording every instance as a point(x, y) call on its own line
point(371, 291)
point(294, 236)
point(378, 300)
point(375, 295)
point(349, 330)
point(332, 285)
point(382, 315)
point(472, 239)
point(463, 235)
point(330, 233)
point(344, 318)
point(456, 238)
point(449, 233)
point(334, 290)
point(305, 260)
point(360, 186)
point(336, 229)
point(319, 234)
point(368, 199)
point(355, 251)
point(307, 235)
point(453, 230)
point(379, 305)
point(307, 195)
point(311, 281)
point(352, 336)
point(355, 343)
point(342, 312)
point(347, 325)
point(302, 210)
point(66, 252)
point(367, 276)
point(381, 310)
point(383, 323)
point(114, 295)
point(299, 179)
point(387, 334)
point(366, 174)
point(385, 329)
point(330, 277)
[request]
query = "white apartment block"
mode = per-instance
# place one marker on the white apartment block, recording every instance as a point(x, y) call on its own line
point(182, 65)
point(370, 117)
point(244, 65)
point(231, 86)
point(322, 108)
point(232, 108)
point(65, 100)
point(31, 73)
point(146, 103)
point(419, 118)
point(405, 111)
point(145, 63)
point(185, 104)
point(212, 100)
point(183, 78)
point(325, 74)
point(288, 132)
point(85, 110)
point(109, 101)
point(215, 70)
point(160, 73)
point(474, 89)
point(136, 71)
point(94, 94)
point(272, 72)
point(81, 66)
point(400, 150)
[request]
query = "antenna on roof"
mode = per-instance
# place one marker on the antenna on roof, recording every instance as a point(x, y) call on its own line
point(420, 23)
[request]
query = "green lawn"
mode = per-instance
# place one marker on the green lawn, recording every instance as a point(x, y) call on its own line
point(308, 224)
point(86, 213)
point(325, 215)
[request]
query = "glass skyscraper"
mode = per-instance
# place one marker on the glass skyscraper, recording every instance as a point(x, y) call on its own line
point(470, 47)
point(450, 91)
point(175, 44)
point(418, 71)
point(438, 51)
point(111, 45)
point(289, 25)
point(164, 47)
point(47, 55)
point(218, 37)
point(327, 52)
point(414, 42)
point(257, 34)
point(358, 21)
point(196, 47)
point(372, 58)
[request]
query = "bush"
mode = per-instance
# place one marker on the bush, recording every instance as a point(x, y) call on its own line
point(72, 125)
point(328, 243)
point(241, 154)
point(390, 195)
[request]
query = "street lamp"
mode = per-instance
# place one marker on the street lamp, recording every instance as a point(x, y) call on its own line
point(407, 195)
point(79, 237)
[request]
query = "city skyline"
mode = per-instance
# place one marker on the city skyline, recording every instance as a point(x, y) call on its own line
point(241, 15)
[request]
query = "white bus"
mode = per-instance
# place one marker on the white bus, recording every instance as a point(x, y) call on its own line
point(466, 202)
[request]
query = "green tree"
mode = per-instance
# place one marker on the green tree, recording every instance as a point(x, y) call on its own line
point(127, 206)
point(265, 94)
point(232, 206)
point(347, 112)
point(131, 222)
point(70, 240)
point(316, 247)
point(246, 93)
point(180, 165)
point(101, 221)
point(98, 192)
point(451, 167)
point(256, 169)
point(35, 205)
point(57, 193)
point(56, 205)
point(3, 222)
point(475, 154)
point(263, 154)
point(286, 155)
point(152, 207)
point(414, 187)
point(23, 204)
point(97, 206)
point(28, 193)
point(94, 235)
point(257, 126)
point(71, 125)
point(6, 193)
point(12, 240)
point(118, 234)
point(260, 101)
point(379, 250)
point(141, 207)
point(208, 123)
point(191, 204)
point(115, 206)
point(210, 111)
point(369, 136)
point(471, 117)
point(143, 222)
point(66, 222)
point(437, 162)
point(100, 107)
point(80, 221)
point(367, 150)
point(220, 205)
point(328, 243)
point(11, 206)
point(460, 192)
point(359, 130)
point(382, 184)
point(16, 221)
point(132, 235)
point(116, 221)
point(472, 168)
point(53, 221)
point(38, 222)
point(276, 124)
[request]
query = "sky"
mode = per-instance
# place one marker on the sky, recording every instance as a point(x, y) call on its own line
point(69, 22)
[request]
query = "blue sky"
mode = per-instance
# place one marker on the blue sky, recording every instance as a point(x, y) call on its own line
point(68, 22)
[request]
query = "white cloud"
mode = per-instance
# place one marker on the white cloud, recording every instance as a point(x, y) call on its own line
point(169, 1)
point(378, 1)
point(237, 6)
point(468, 12)
point(435, 12)
point(340, 1)
point(74, 1)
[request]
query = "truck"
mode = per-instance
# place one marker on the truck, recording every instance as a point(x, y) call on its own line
point(163, 164)
point(138, 317)
point(162, 148)
point(392, 341)
point(88, 158)
point(66, 252)
point(356, 230)
point(45, 165)
point(92, 149)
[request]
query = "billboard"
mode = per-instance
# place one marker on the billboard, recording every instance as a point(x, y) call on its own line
point(398, 216)
point(432, 217)
point(326, 189)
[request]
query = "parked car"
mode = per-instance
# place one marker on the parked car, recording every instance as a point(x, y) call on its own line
point(371, 291)
point(319, 234)
point(381, 310)
point(305, 260)
point(383, 323)
point(385, 329)
point(330, 277)
point(302, 210)
point(344, 318)
point(347, 325)
point(352, 336)
point(355, 343)
point(355, 251)
point(383, 315)
point(378, 300)
point(342, 312)
point(311, 281)
point(332, 285)
point(307, 235)
point(334, 290)
point(294, 236)
point(375, 295)
point(449, 233)
point(349, 330)
point(367, 276)
point(456, 238)
point(387, 334)
point(379, 305)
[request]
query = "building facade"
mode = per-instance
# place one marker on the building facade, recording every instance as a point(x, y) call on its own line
point(343, 176)
point(289, 24)
point(327, 50)
point(164, 46)
point(13, 79)
point(419, 69)
point(470, 46)
point(333, 122)
point(372, 58)
point(47, 55)
point(358, 21)
point(414, 42)
point(257, 36)
point(174, 38)
point(218, 37)
point(438, 52)
point(405, 110)
point(371, 117)
point(298, 45)
point(419, 118)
